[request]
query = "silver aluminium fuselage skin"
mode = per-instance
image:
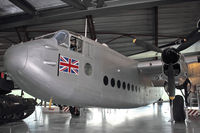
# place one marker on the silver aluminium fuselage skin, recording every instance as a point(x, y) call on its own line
point(34, 67)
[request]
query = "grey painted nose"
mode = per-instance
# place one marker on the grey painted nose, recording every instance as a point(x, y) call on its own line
point(15, 58)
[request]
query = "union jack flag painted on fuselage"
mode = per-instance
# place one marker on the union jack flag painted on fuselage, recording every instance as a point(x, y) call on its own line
point(68, 65)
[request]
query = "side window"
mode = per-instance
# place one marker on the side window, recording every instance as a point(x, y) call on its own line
point(118, 84)
point(76, 44)
point(124, 85)
point(112, 82)
point(105, 80)
point(128, 86)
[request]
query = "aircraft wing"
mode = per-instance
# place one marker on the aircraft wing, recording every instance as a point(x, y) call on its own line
point(152, 70)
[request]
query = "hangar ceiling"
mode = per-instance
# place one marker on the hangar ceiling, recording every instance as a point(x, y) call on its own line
point(155, 21)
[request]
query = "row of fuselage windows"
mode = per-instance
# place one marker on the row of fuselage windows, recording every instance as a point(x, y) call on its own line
point(119, 84)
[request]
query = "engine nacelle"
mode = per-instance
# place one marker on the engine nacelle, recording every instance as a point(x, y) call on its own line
point(180, 68)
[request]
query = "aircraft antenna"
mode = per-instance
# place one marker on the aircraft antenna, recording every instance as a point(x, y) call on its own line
point(85, 27)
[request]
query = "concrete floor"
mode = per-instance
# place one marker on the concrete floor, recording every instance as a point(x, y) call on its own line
point(148, 119)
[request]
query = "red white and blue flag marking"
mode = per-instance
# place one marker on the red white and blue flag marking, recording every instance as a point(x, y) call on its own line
point(68, 65)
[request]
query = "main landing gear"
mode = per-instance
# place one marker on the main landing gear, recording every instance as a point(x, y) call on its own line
point(177, 105)
point(75, 111)
point(177, 111)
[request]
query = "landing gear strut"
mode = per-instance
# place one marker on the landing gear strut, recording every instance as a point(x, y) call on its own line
point(185, 87)
point(177, 111)
point(171, 110)
point(74, 111)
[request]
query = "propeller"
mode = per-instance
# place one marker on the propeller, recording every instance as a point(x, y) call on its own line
point(147, 45)
point(171, 55)
point(192, 38)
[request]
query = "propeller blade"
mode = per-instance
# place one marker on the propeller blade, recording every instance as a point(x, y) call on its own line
point(171, 82)
point(192, 38)
point(146, 45)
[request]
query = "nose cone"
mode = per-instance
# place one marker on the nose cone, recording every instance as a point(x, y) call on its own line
point(15, 58)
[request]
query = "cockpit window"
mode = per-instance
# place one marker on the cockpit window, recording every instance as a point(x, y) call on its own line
point(62, 38)
point(76, 44)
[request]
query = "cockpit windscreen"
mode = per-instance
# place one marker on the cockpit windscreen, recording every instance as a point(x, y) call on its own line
point(62, 38)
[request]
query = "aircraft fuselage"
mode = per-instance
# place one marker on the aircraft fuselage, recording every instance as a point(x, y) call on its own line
point(99, 77)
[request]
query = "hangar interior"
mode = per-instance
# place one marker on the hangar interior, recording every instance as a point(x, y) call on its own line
point(157, 22)
point(113, 22)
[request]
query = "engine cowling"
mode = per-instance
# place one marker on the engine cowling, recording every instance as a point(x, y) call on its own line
point(176, 67)
point(172, 57)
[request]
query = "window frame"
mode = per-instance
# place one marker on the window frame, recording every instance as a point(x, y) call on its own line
point(78, 39)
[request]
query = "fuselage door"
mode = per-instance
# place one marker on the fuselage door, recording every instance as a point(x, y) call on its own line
point(88, 50)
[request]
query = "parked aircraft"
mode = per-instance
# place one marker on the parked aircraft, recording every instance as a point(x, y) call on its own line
point(77, 71)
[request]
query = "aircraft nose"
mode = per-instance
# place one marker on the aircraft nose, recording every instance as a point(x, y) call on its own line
point(15, 57)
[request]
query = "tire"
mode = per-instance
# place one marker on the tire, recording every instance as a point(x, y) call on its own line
point(74, 111)
point(178, 109)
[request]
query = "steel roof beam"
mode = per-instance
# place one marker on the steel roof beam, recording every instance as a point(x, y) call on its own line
point(18, 34)
point(87, 3)
point(5, 46)
point(76, 4)
point(25, 6)
point(7, 39)
point(47, 17)
point(155, 27)
point(100, 3)
point(91, 27)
